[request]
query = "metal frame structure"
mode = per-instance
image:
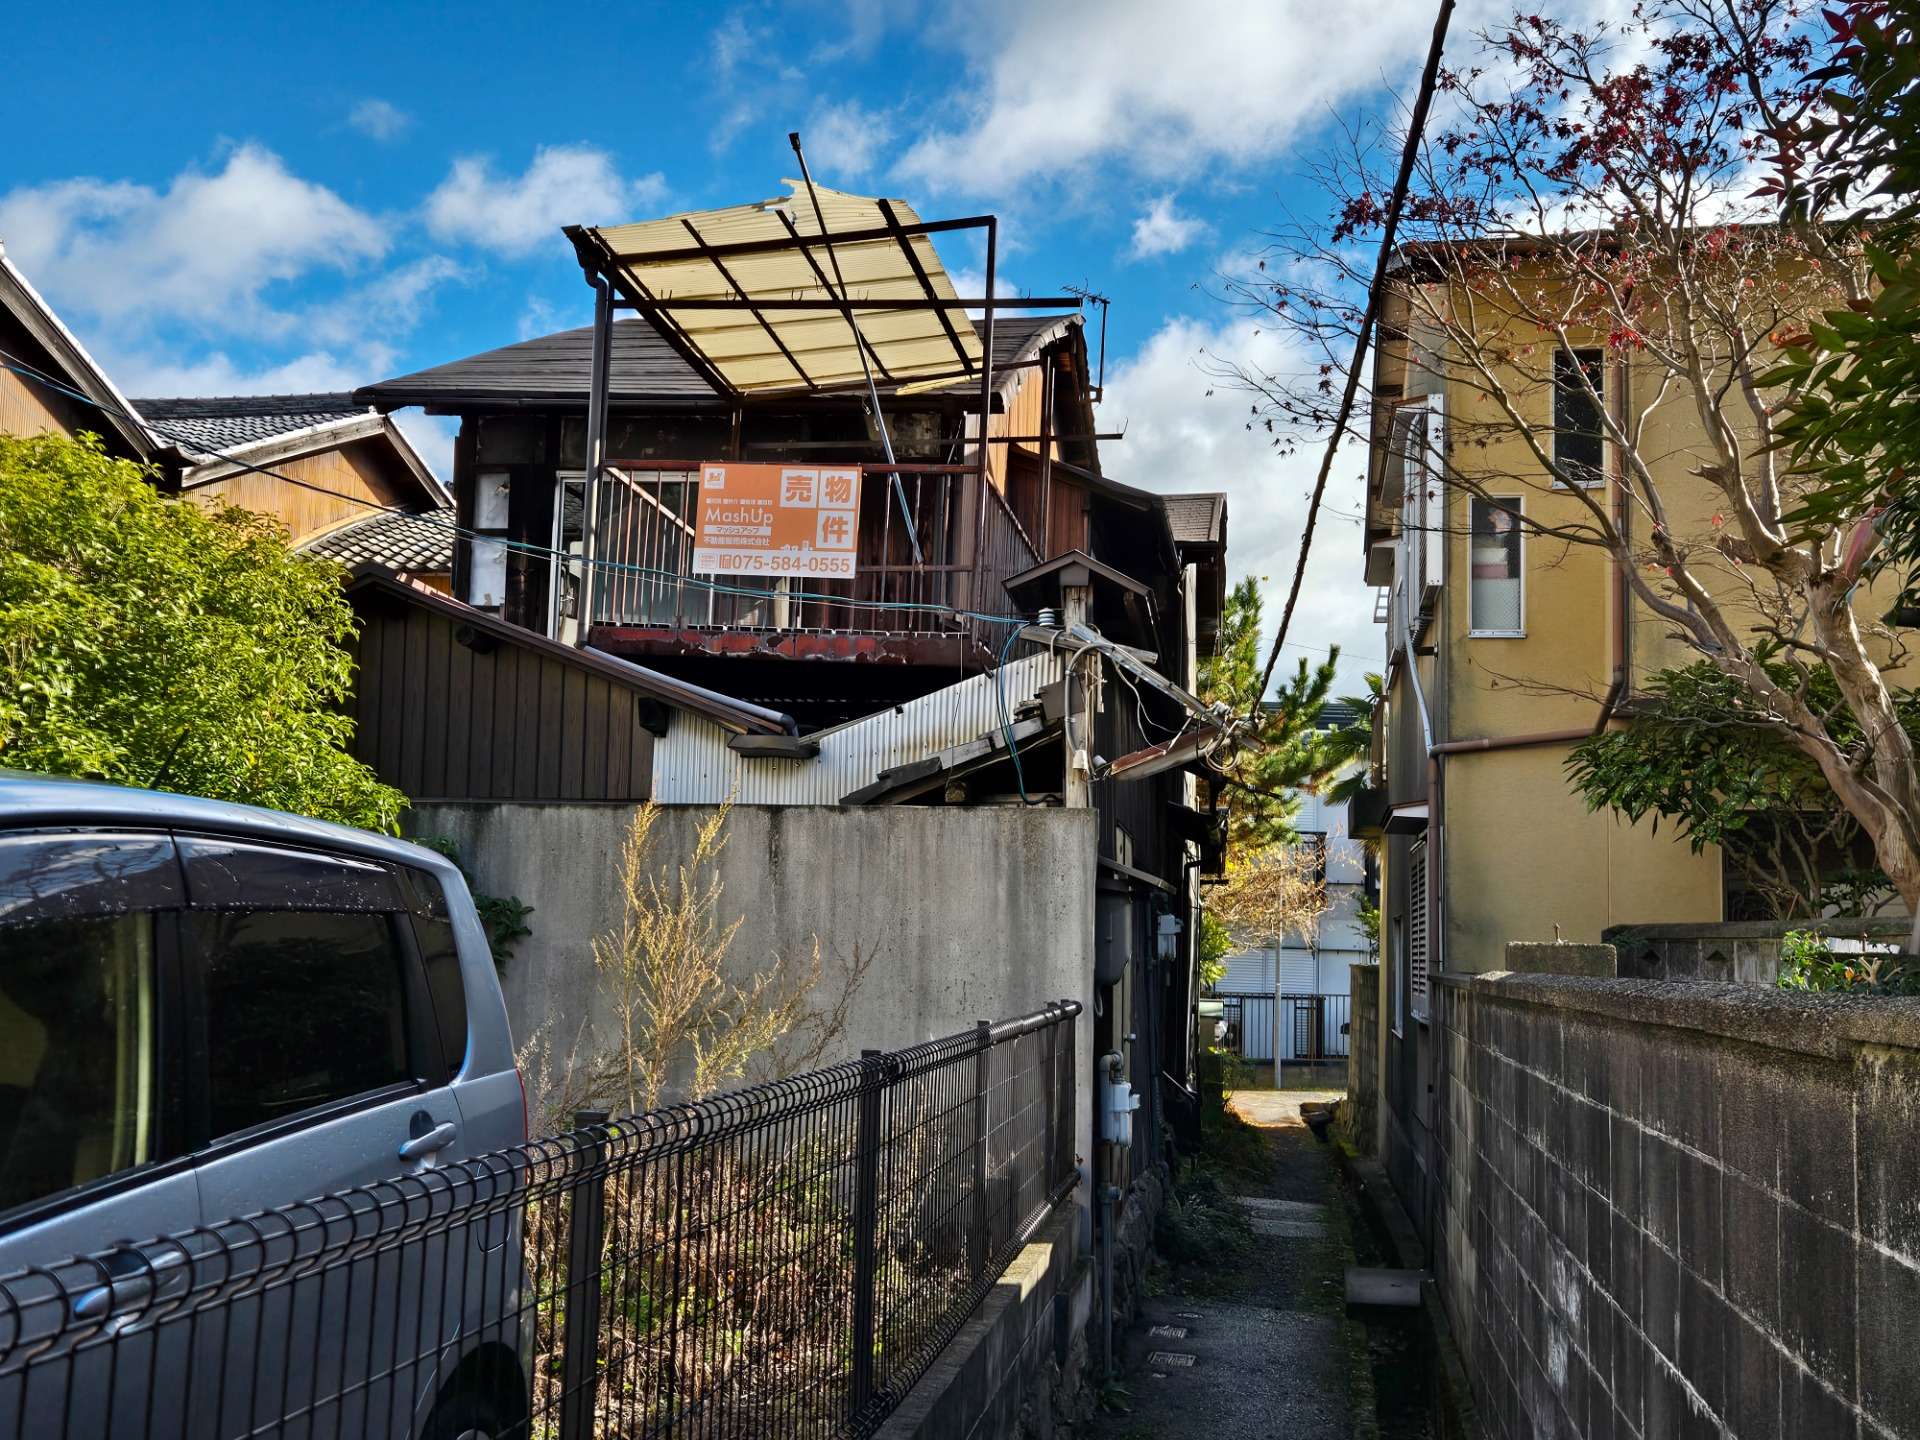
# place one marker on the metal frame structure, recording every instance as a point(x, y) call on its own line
point(616, 290)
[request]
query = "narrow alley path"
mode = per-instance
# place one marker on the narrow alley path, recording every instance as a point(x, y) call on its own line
point(1246, 1339)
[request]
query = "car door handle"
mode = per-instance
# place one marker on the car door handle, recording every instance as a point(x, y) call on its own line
point(434, 1141)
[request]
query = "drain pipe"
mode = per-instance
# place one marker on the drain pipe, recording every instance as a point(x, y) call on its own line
point(1115, 1112)
point(1108, 1194)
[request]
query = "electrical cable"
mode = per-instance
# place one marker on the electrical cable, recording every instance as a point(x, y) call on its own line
point(19, 367)
point(1006, 719)
point(1416, 126)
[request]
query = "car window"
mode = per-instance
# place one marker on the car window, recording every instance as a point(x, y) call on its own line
point(440, 954)
point(302, 1008)
point(79, 1079)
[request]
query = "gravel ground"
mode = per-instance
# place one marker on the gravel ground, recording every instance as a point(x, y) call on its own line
point(1270, 1355)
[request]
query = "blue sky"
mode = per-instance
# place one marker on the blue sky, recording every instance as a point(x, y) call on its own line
point(260, 198)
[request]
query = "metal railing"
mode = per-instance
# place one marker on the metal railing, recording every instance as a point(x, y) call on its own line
point(967, 549)
point(786, 1260)
point(1303, 1028)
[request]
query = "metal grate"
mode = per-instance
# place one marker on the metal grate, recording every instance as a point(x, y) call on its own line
point(1417, 929)
point(783, 1261)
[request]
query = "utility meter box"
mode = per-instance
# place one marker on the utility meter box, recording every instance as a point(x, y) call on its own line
point(1117, 1104)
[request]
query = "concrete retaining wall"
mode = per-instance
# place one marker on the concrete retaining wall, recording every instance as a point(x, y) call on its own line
point(970, 914)
point(1018, 1368)
point(1673, 1210)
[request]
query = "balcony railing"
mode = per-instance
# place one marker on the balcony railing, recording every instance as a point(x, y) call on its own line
point(967, 550)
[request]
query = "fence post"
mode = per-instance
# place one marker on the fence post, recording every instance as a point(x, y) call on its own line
point(1050, 1095)
point(866, 1227)
point(977, 1250)
point(580, 1335)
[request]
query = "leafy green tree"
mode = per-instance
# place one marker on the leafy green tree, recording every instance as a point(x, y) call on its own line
point(1702, 754)
point(1287, 753)
point(155, 642)
point(1215, 945)
point(1854, 413)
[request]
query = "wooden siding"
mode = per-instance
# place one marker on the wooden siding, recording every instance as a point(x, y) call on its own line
point(26, 409)
point(351, 473)
point(441, 721)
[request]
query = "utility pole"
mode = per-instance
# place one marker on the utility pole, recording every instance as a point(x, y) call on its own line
point(1076, 601)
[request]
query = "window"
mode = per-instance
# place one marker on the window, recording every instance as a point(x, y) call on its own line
point(1494, 560)
point(78, 1075)
point(1579, 439)
point(487, 558)
point(1417, 929)
point(440, 954)
point(302, 1008)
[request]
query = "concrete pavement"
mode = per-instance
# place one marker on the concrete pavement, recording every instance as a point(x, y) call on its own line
point(1254, 1345)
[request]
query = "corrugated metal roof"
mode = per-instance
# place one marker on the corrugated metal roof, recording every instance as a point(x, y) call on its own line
point(693, 766)
point(213, 424)
point(791, 349)
point(554, 370)
point(417, 544)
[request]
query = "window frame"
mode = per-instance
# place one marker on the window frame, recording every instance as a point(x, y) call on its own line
point(1516, 505)
point(171, 1152)
point(425, 1056)
point(1577, 356)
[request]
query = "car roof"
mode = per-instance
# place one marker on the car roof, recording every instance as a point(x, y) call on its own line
point(35, 801)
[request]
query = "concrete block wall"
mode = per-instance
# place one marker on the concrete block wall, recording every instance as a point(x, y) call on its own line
point(1360, 1116)
point(1681, 1209)
point(1746, 951)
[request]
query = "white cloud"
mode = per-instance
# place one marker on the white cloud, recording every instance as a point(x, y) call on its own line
point(844, 141)
point(204, 250)
point(1181, 437)
point(390, 305)
point(1164, 89)
point(157, 372)
point(378, 119)
point(515, 215)
point(751, 75)
point(1162, 230)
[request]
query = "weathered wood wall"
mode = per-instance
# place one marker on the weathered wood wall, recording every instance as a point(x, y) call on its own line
point(447, 721)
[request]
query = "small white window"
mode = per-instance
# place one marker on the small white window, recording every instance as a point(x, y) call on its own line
point(1494, 562)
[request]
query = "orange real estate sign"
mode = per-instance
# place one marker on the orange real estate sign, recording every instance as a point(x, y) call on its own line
point(777, 520)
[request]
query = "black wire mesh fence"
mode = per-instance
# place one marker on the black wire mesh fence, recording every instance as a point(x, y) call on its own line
point(782, 1261)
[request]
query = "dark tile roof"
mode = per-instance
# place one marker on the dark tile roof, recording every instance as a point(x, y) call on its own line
point(1198, 519)
point(210, 425)
point(417, 544)
point(554, 369)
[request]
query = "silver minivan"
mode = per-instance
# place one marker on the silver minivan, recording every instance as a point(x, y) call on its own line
point(209, 1010)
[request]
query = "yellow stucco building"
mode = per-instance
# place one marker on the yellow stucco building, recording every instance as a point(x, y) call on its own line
point(1507, 643)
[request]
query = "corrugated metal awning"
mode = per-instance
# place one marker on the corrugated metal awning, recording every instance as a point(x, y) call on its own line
point(746, 253)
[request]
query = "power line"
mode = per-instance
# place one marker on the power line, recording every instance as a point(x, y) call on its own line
point(1416, 126)
point(527, 547)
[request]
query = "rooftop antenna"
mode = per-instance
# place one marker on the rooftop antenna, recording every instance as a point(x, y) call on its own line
point(1094, 297)
point(859, 344)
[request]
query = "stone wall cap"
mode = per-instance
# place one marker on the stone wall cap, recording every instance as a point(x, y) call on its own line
point(1828, 1025)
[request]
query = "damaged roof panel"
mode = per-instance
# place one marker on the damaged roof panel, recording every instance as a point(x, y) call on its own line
point(730, 254)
